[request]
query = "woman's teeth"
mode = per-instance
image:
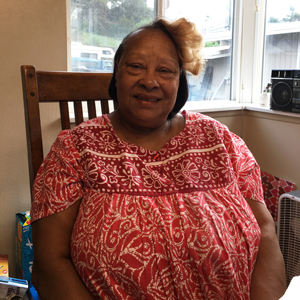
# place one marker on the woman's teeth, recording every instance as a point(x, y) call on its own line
point(151, 100)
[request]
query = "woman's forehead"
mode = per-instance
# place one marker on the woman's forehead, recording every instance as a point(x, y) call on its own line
point(146, 32)
point(148, 37)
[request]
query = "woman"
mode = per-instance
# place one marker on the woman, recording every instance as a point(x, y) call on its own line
point(146, 203)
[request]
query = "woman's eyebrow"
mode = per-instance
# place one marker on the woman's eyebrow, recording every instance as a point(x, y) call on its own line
point(138, 54)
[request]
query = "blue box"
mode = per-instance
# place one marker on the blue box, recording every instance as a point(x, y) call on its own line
point(24, 246)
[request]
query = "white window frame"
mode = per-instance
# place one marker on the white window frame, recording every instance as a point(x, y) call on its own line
point(253, 40)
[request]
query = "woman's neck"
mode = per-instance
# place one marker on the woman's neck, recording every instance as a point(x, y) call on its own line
point(149, 138)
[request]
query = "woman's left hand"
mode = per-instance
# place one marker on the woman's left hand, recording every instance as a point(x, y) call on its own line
point(268, 278)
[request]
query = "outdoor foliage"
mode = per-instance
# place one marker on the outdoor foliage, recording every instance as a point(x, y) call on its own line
point(94, 20)
point(291, 17)
point(212, 44)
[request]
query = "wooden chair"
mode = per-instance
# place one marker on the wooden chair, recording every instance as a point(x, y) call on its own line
point(61, 87)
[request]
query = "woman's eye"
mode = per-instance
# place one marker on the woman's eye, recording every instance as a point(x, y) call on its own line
point(135, 66)
point(166, 71)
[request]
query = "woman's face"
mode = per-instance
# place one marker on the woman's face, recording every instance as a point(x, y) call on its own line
point(147, 79)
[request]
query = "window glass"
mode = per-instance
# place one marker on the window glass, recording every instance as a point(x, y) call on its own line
point(214, 19)
point(282, 37)
point(98, 27)
point(90, 55)
point(106, 52)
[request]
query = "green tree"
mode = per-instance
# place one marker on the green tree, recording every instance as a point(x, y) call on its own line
point(125, 14)
point(273, 20)
point(293, 16)
point(114, 18)
point(212, 44)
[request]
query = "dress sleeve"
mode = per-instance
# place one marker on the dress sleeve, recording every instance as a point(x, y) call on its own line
point(245, 168)
point(58, 183)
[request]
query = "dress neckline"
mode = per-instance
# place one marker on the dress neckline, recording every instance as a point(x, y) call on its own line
point(143, 149)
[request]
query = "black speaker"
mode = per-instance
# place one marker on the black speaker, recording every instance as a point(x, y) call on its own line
point(285, 93)
point(282, 90)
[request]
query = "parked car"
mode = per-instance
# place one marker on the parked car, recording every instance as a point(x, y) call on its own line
point(80, 69)
point(100, 53)
point(87, 64)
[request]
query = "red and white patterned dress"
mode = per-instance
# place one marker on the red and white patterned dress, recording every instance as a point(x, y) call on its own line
point(168, 224)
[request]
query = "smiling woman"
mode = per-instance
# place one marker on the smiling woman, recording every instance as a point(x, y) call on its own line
point(149, 74)
point(150, 203)
point(147, 80)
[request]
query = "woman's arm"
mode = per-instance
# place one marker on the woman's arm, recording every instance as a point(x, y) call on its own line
point(53, 274)
point(268, 278)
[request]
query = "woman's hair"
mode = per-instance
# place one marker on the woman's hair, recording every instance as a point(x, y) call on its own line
point(188, 43)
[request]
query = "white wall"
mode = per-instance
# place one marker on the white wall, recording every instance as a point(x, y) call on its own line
point(32, 32)
point(274, 140)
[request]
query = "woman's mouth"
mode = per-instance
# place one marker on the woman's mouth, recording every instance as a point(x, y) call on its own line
point(148, 98)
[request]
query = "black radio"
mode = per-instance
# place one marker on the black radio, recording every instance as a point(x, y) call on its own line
point(285, 93)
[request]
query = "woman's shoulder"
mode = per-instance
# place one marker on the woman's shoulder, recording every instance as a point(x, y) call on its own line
point(198, 118)
point(100, 121)
point(206, 125)
point(68, 138)
point(92, 126)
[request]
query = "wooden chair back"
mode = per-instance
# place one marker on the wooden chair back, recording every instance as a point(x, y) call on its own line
point(61, 87)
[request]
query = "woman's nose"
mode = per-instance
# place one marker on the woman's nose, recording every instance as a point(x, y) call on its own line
point(149, 80)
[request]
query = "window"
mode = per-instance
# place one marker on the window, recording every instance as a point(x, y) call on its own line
point(216, 25)
point(90, 55)
point(106, 52)
point(282, 37)
point(108, 64)
point(98, 27)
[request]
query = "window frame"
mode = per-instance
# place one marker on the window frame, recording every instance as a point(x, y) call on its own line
point(260, 29)
point(251, 34)
point(250, 28)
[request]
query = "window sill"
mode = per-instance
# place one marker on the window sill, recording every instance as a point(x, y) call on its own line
point(256, 111)
point(258, 108)
point(212, 106)
point(218, 106)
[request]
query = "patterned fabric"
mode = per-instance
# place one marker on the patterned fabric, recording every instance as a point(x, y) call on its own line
point(273, 188)
point(168, 224)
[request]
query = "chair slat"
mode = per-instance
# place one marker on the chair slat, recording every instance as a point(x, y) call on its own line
point(78, 112)
point(91, 109)
point(116, 105)
point(64, 115)
point(104, 107)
